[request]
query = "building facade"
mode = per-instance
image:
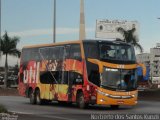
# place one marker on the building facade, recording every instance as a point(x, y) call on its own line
point(152, 60)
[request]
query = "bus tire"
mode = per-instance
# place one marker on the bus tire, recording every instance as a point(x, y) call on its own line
point(39, 101)
point(32, 97)
point(115, 107)
point(65, 103)
point(80, 101)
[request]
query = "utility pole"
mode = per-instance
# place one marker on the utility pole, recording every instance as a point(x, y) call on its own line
point(82, 32)
point(54, 22)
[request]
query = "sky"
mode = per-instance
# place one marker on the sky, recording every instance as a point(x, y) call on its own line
point(32, 20)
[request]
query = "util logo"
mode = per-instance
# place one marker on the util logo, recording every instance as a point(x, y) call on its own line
point(31, 75)
point(128, 93)
point(120, 66)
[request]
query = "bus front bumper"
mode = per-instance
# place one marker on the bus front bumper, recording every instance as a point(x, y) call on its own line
point(107, 97)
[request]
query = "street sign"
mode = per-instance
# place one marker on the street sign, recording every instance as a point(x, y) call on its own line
point(107, 29)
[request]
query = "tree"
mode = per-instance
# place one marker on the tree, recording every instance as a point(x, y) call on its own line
point(9, 47)
point(129, 37)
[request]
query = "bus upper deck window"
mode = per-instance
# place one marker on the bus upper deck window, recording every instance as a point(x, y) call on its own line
point(75, 52)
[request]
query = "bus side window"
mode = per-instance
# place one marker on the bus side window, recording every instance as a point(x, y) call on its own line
point(75, 52)
point(64, 79)
point(47, 78)
point(25, 55)
point(90, 51)
point(75, 78)
point(54, 66)
point(67, 52)
point(34, 55)
point(44, 53)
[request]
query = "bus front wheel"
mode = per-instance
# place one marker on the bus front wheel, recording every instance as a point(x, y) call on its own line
point(80, 101)
point(114, 107)
point(32, 97)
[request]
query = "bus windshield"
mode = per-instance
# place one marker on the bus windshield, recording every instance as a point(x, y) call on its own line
point(119, 79)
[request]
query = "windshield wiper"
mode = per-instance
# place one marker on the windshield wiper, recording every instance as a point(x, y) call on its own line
point(109, 86)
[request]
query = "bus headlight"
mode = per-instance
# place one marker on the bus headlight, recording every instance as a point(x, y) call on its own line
point(102, 93)
point(135, 95)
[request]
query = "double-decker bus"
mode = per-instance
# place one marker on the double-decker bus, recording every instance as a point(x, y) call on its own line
point(84, 72)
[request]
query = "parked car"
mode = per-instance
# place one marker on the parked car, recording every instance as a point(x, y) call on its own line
point(13, 79)
point(1, 80)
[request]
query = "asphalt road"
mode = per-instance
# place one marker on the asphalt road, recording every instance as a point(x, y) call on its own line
point(55, 111)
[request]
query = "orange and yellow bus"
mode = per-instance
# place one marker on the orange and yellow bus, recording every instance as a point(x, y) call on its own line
point(84, 72)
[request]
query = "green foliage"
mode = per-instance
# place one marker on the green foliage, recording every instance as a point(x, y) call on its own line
point(9, 47)
point(129, 37)
point(9, 44)
point(3, 109)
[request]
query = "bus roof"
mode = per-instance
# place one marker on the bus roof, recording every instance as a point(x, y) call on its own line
point(53, 44)
point(108, 41)
point(75, 41)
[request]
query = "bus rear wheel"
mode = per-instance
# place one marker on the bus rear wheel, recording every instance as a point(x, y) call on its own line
point(32, 97)
point(39, 101)
point(80, 101)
